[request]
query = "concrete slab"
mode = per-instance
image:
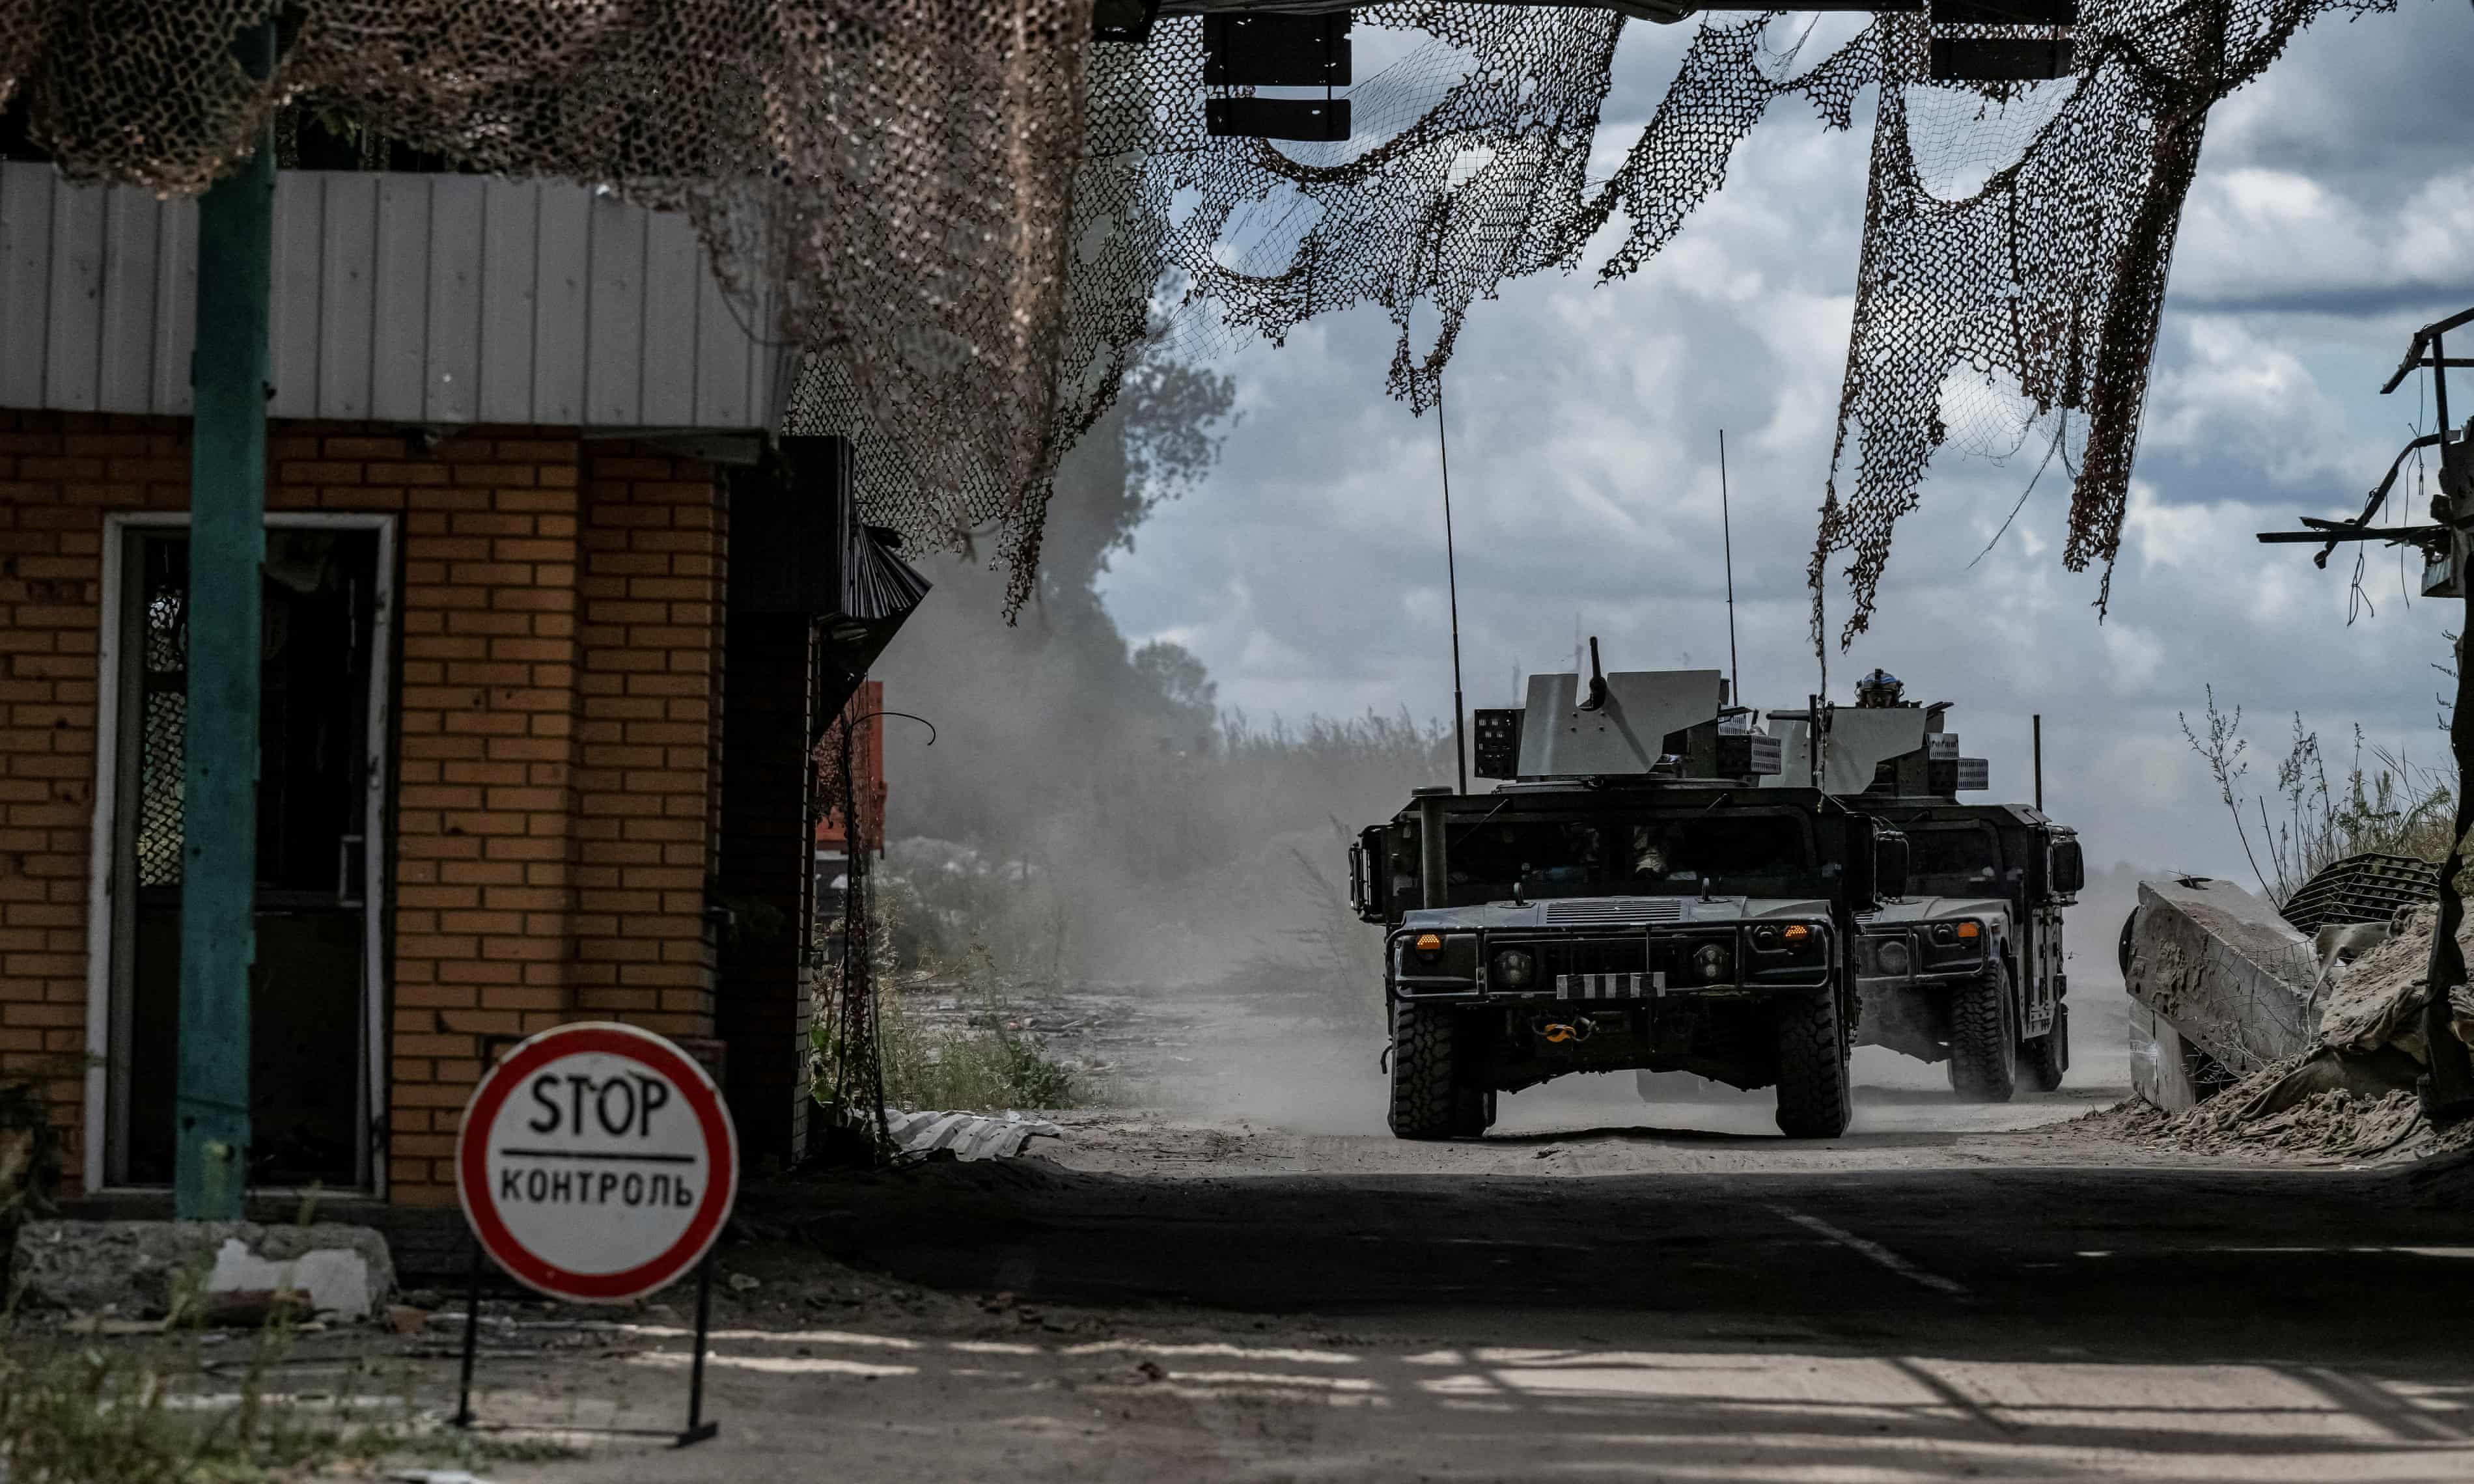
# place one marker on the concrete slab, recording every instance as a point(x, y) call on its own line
point(2225, 970)
point(134, 1269)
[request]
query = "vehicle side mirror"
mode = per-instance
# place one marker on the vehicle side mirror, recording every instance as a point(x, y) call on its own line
point(1369, 878)
point(1889, 863)
point(2070, 869)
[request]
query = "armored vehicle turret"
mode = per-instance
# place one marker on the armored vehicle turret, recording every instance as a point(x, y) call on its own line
point(1967, 966)
point(1640, 890)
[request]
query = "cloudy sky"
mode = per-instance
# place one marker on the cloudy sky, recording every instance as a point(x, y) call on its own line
point(2333, 213)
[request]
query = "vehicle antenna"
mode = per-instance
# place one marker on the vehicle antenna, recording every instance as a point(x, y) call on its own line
point(1452, 578)
point(2039, 745)
point(1726, 533)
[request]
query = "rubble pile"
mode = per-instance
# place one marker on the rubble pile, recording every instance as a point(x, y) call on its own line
point(2334, 1123)
point(2351, 1096)
point(2376, 999)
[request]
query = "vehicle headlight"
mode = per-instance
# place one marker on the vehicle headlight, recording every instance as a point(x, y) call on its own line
point(1711, 962)
point(1891, 957)
point(1513, 969)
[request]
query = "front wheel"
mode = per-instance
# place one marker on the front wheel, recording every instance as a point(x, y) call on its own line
point(1813, 1098)
point(1424, 1099)
point(1983, 1043)
point(2045, 1058)
point(1472, 1109)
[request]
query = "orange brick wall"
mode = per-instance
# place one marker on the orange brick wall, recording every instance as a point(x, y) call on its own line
point(558, 611)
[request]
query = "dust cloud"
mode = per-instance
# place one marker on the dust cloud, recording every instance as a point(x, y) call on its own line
point(1093, 851)
point(1092, 848)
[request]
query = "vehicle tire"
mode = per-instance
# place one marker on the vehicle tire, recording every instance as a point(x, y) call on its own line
point(1983, 1043)
point(1424, 1092)
point(2045, 1058)
point(1472, 1109)
point(1813, 1099)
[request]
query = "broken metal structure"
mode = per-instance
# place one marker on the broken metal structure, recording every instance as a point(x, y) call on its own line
point(2444, 540)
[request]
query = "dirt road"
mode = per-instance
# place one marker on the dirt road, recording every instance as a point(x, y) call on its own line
point(1641, 1292)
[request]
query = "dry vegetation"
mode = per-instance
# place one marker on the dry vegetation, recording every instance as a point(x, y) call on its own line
point(2387, 803)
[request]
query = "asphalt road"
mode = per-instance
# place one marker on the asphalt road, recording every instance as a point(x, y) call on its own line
point(1227, 1300)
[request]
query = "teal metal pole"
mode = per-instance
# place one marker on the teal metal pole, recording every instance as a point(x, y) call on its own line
point(228, 378)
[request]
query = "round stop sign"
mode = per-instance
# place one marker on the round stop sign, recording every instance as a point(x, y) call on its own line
point(597, 1163)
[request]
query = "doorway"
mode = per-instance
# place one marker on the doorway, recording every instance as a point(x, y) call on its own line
point(317, 986)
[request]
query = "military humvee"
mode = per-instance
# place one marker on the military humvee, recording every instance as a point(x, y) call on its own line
point(1968, 967)
point(1629, 896)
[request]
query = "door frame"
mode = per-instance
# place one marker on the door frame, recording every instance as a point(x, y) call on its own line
point(103, 908)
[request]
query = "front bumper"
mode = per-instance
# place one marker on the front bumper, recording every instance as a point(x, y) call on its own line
point(1910, 956)
point(1610, 964)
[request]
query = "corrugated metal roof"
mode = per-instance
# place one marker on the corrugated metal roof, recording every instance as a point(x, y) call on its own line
point(397, 298)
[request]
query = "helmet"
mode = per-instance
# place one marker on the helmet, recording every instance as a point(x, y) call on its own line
point(1878, 690)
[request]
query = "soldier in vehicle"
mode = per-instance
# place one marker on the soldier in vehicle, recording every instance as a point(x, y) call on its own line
point(1879, 691)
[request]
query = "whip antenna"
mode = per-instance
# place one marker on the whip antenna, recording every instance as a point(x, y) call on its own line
point(1726, 532)
point(1452, 577)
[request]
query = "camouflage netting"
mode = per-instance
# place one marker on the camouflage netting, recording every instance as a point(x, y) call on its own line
point(902, 168)
point(981, 217)
point(2016, 237)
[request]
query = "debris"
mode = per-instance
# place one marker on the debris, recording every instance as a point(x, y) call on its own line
point(404, 1319)
point(2377, 1000)
point(966, 1135)
point(2365, 888)
point(100, 1324)
point(2234, 978)
point(2292, 1109)
point(252, 1309)
point(743, 1282)
point(137, 1269)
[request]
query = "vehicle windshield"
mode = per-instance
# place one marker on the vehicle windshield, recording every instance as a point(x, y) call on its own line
point(1735, 853)
point(1954, 860)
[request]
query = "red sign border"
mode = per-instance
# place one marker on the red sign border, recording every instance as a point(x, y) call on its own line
point(471, 1162)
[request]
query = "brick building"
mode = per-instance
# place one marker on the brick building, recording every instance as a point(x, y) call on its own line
point(528, 754)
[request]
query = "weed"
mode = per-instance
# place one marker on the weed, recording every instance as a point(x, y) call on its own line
point(73, 1412)
point(2393, 806)
point(980, 1060)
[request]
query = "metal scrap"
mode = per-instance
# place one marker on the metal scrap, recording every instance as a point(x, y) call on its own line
point(967, 1137)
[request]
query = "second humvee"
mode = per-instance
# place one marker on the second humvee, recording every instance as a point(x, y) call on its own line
point(1967, 968)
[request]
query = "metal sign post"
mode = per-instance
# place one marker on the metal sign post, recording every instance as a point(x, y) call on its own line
point(219, 752)
point(597, 1164)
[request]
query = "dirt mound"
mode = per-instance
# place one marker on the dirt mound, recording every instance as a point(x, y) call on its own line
point(2376, 999)
point(2322, 1105)
point(2353, 1096)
